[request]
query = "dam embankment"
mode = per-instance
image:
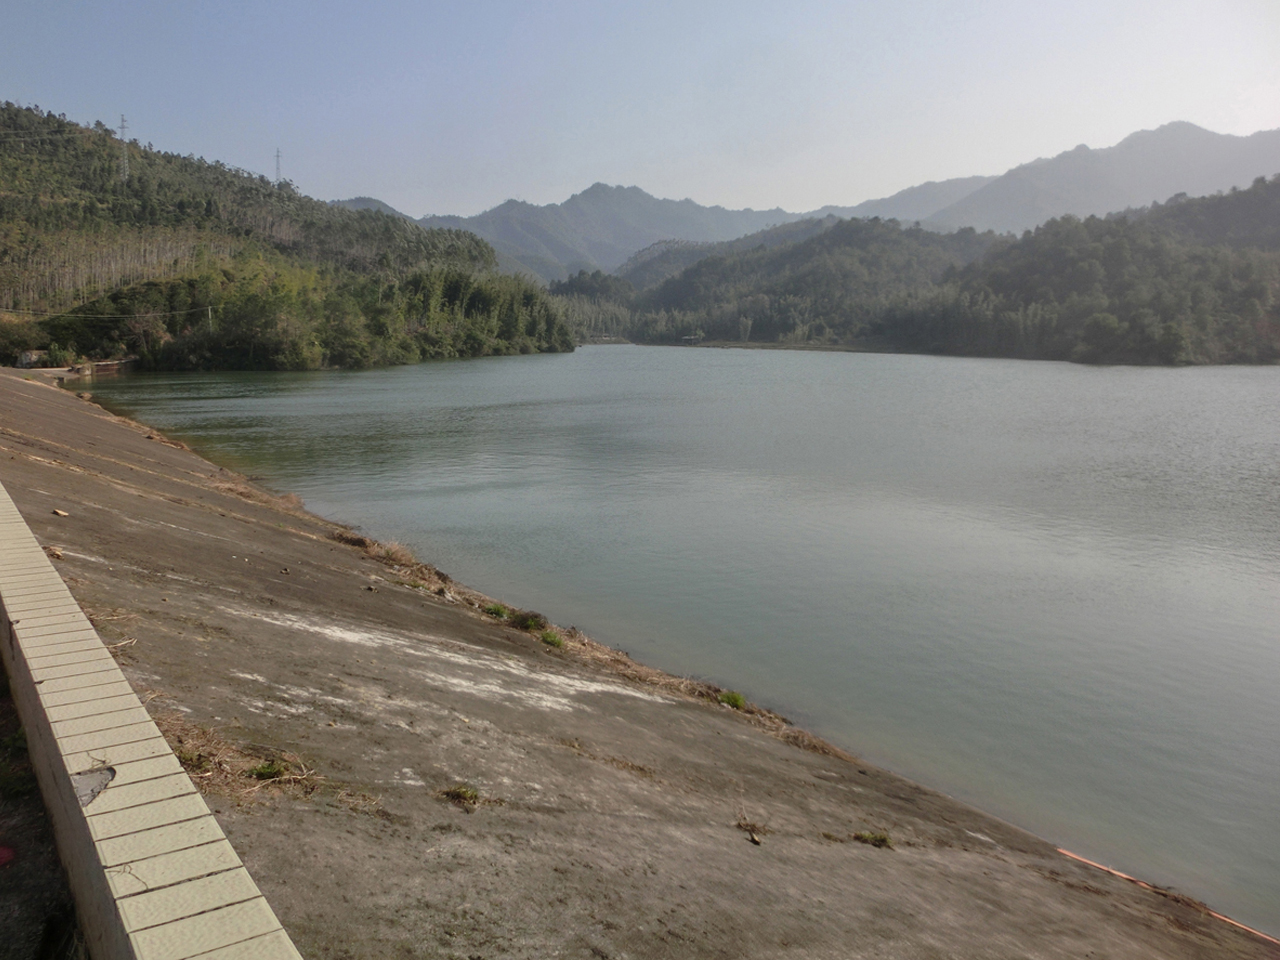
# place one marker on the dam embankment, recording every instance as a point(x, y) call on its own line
point(404, 775)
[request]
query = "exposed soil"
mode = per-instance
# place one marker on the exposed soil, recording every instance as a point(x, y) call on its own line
point(408, 776)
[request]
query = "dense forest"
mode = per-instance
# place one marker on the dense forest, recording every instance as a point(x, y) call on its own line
point(1100, 291)
point(826, 289)
point(1238, 218)
point(1188, 281)
point(110, 248)
point(661, 261)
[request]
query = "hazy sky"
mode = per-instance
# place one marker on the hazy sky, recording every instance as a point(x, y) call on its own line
point(452, 107)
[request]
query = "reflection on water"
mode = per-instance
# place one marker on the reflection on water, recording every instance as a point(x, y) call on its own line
point(1047, 589)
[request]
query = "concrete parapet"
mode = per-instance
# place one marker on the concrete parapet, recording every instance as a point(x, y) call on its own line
point(152, 873)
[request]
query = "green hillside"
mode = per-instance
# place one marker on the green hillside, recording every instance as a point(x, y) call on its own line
point(663, 260)
point(824, 290)
point(1101, 291)
point(109, 248)
point(1190, 281)
point(1238, 218)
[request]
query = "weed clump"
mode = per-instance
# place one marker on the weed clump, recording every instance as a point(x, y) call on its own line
point(193, 761)
point(753, 830)
point(880, 841)
point(732, 698)
point(551, 638)
point(269, 770)
point(528, 620)
point(462, 794)
point(497, 610)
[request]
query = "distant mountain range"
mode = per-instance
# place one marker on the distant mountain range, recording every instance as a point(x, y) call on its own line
point(912, 204)
point(603, 227)
point(1144, 168)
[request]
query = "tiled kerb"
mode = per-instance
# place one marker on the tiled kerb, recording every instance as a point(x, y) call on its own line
point(153, 875)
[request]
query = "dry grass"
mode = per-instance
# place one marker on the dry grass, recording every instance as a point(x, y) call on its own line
point(238, 487)
point(393, 554)
point(753, 830)
point(251, 775)
point(400, 558)
point(358, 801)
point(353, 539)
point(221, 768)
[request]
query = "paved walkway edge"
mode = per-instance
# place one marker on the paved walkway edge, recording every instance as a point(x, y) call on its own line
point(153, 875)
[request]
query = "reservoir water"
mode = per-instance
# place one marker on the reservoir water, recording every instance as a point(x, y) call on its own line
point(1050, 590)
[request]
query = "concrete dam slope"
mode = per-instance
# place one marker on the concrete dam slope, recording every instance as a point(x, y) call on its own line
point(407, 775)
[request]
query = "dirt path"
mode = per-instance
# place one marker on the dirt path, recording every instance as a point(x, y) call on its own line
point(406, 776)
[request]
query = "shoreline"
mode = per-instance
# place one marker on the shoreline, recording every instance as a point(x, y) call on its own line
point(672, 746)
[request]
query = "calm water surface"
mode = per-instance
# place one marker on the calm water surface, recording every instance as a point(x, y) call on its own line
point(1050, 590)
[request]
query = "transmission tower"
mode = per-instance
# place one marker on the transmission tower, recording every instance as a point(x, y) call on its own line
point(277, 166)
point(124, 151)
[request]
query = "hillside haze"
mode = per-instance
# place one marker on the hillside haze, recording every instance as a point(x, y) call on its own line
point(601, 227)
point(914, 203)
point(1146, 167)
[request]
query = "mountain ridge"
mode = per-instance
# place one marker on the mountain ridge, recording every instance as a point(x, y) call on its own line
point(603, 226)
point(1147, 166)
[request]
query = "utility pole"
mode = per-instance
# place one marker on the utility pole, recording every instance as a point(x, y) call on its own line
point(124, 152)
point(277, 166)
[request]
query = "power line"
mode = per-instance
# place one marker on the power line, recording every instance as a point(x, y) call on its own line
point(277, 166)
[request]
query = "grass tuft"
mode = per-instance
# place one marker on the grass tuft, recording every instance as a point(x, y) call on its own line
point(463, 794)
point(528, 620)
point(732, 698)
point(497, 610)
point(269, 770)
point(551, 638)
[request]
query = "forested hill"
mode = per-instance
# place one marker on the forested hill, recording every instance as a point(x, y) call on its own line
point(108, 248)
point(1189, 281)
point(1239, 218)
point(822, 290)
point(661, 261)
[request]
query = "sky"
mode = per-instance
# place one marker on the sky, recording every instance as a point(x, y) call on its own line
point(453, 107)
